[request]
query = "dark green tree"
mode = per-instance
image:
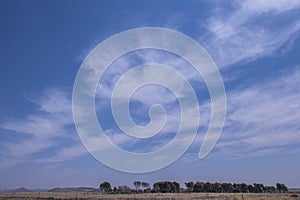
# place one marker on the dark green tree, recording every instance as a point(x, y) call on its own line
point(137, 185)
point(190, 186)
point(251, 189)
point(281, 188)
point(244, 188)
point(105, 187)
point(124, 189)
point(227, 187)
point(258, 188)
point(217, 187)
point(115, 190)
point(177, 186)
point(145, 185)
point(284, 188)
point(198, 187)
point(270, 189)
point(165, 187)
point(156, 188)
point(207, 187)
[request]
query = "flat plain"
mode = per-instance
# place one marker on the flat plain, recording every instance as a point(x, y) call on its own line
point(150, 196)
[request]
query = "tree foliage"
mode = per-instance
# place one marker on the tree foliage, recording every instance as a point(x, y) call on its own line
point(166, 187)
point(138, 184)
point(105, 187)
point(205, 187)
point(190, 186)
point(281, 188)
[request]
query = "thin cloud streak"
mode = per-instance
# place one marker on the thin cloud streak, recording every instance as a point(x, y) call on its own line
point(263, 119)
point(247, 33)
point(45, 129)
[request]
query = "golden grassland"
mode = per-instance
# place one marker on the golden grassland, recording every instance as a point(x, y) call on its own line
point(150, 196)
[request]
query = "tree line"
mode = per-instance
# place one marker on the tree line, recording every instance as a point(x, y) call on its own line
point(204, 187)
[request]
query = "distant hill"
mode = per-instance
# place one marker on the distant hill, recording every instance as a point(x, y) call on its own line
point(71, 189)
point(294, 190)
point(67, 189)
point(40, 190)
point(22, 189)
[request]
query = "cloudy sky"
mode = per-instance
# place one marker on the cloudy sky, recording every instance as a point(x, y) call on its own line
point(255, 45)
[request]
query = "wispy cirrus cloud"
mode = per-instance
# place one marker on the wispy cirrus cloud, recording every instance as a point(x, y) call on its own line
point(250, 30)
point(264, 118)
point(43, 130)
point(151, 94)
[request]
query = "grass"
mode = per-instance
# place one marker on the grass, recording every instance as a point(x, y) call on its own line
point(170, 196)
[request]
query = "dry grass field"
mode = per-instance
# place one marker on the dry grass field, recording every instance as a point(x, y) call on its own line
point(183, 196)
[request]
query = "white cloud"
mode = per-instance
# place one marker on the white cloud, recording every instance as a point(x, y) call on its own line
point(149, 94)
point(247, 33)
point(125, 63)
point(261, 119)
point(65, 154)
point(264, 118)
point(41, 130)
point(263, 6)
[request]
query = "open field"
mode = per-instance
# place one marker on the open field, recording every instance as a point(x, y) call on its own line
point(215, 196)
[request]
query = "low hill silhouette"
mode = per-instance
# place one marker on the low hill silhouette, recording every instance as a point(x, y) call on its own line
point(74, 189)
point(21, 189)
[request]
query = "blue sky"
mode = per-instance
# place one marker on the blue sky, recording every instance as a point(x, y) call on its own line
point(254, 43)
